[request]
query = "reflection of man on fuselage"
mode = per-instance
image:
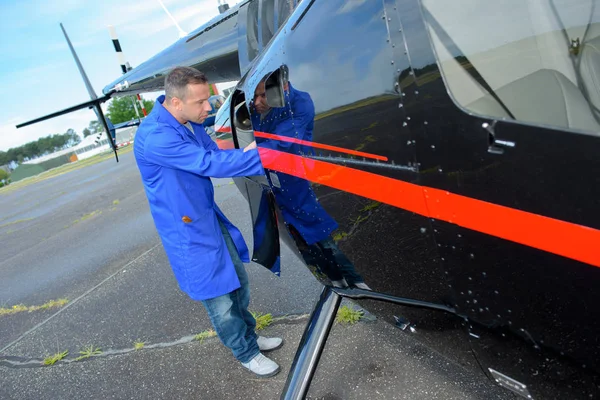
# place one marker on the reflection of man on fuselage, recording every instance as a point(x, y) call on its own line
point(309, 223)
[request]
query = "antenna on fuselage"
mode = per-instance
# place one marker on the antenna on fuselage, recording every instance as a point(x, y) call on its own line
point(223, 6)
point(181, 31)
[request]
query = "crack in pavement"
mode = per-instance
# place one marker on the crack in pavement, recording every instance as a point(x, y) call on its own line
point(21, 362)
point(76, 300)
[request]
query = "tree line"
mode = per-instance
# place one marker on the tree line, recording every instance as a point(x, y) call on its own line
point(120, 109)
point(40, 147)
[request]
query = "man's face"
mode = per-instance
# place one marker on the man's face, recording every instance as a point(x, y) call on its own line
point(260, 99)
point(195, 107)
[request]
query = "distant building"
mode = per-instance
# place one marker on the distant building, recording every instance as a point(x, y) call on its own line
point(98, 143)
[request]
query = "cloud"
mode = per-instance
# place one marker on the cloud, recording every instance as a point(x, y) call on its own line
point(350, 5)
point(26, 78)
point(10, 136)
point(62, 46)
point(57, 8)
point(189, 18)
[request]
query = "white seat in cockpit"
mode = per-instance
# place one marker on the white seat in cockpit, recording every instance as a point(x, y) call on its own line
point(589, 66)
point(544, 97)
point(522, 53)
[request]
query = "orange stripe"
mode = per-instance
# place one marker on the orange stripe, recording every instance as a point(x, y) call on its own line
point(225, 144)
point(552, 235)
point(319, 145)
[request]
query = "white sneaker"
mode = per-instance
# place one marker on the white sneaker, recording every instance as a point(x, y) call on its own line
point(262, 366)
point(363, 285)
point(340, 284)
point(267, 344)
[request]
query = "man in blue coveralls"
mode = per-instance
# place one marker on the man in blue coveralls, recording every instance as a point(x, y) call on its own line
point(176, 159)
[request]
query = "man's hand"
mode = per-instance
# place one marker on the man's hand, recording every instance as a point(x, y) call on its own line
point(251, 146)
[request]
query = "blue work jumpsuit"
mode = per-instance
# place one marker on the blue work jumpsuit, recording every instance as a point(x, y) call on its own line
point(176, 166)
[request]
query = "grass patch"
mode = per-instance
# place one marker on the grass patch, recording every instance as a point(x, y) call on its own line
point(138, 345)
point(340, 236)
point(371, 206)
point(22, 308)
point(115, 202)
point(89, 352)
point(87, 216)
point(19, 221)
point(262, 320)
point(205, 335)
point(348, 316)
point(51, 360)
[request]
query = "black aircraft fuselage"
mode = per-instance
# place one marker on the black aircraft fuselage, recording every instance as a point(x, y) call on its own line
point(485, 202)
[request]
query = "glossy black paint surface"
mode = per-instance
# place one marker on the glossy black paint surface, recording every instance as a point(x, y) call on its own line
point(376, 88)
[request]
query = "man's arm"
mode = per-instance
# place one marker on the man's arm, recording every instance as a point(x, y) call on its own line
point(207, 142)
point(169, 150)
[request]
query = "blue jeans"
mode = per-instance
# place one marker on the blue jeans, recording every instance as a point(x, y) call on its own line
point(229, 313)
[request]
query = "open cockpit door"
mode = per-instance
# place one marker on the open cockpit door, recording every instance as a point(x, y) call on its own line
point(255, 189)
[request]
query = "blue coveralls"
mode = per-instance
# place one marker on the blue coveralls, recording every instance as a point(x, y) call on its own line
point(176, 166)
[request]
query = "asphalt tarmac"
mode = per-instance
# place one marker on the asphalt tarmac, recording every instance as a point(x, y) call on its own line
point(88, 236)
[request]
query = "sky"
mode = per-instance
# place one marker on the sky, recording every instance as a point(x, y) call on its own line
point(38, 75)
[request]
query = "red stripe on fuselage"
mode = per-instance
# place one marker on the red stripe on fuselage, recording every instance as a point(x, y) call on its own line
point(570, 240)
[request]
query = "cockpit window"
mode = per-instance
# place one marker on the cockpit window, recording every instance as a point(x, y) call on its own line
point(536, 62)
point(267, 20)
point(252, 30)
point(285, 9)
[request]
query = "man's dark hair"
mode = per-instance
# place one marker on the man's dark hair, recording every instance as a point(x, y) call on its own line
point(178, 78)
